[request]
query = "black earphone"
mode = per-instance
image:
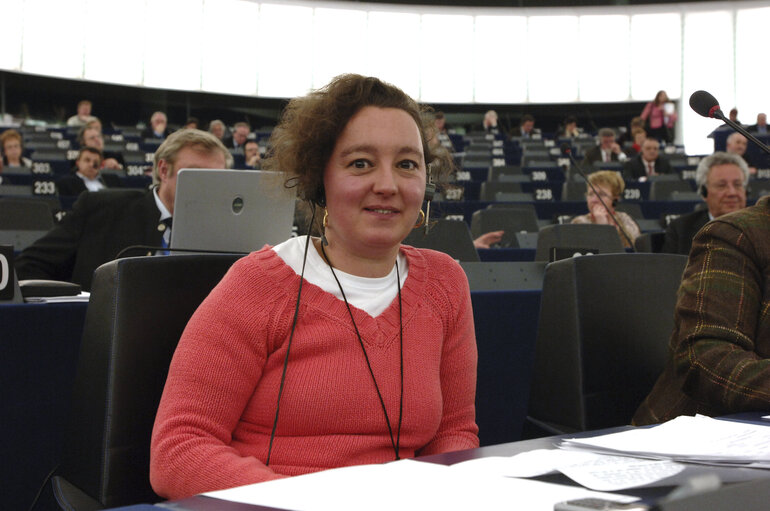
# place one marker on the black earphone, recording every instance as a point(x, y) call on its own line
point(703, 191)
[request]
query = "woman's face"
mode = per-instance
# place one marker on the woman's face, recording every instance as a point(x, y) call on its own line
point(12, 149)
point(374, 182)
point(606, 195)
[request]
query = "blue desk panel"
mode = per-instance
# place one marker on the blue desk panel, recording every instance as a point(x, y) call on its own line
point(38, 352)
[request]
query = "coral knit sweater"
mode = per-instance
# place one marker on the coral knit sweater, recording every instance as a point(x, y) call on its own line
point(216, 414)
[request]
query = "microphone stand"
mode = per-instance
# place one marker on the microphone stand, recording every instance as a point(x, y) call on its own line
point(568, 152)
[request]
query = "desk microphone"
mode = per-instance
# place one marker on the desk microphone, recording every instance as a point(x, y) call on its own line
point(567, 149)
point(707, 105)
point(150, 248)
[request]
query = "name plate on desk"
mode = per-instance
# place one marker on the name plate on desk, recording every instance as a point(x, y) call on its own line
point(7, 276)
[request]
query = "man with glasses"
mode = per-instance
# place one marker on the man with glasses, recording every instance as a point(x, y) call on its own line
point(722, 179)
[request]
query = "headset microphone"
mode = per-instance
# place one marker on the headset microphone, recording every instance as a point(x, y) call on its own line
point(430, 190)
point(567, 149)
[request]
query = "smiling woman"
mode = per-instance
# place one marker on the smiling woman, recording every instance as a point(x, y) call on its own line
point(324, 352)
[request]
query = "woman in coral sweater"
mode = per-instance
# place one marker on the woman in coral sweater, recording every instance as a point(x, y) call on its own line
point(321, 352)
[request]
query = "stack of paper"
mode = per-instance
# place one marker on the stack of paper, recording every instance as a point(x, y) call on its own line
point(696, 439)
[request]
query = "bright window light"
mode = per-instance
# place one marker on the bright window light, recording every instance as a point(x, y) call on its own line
point(708, 65)
point(552, 63)
point(53, 38)
point(751, 74)
point(11, 35)
point(446, 76)
point(499, 67)
point(286, 67)
point(111, 51)
point(229, 56)
point(339, 44)
point(173, 44)
point(394, 52)
point(656, 56)
point(604, 77)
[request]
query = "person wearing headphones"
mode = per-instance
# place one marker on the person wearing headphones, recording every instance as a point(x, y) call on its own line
point(721, 179)
point(609, 186)
point(342, 349)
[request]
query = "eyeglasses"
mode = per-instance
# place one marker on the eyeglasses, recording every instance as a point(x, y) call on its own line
point(602, 194)
point(722, 186)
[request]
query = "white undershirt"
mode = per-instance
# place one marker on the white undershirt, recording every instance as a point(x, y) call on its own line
point(372, 295)
point(93, 185)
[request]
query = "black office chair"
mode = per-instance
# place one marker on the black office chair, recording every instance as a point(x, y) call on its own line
point(602, 342)
point(664, 189)
point(452, 237)
point(511, 220)
point(603, 239)
point(137, 311)
point(490, 189)
point(650, 242)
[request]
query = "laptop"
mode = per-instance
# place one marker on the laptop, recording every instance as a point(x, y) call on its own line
point(230, 210)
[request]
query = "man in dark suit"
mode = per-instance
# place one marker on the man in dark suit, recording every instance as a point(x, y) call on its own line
point(158, 127)
point(607, 150)
point(722, 179)
point(86, 175)
point(100, 225)
point(761, 126)
point(241, 132)
point(648, 162)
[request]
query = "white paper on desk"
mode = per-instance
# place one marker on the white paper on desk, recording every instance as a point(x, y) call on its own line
point(595, 471)
point(406, 485)
point(83, 296)
point(686, 438)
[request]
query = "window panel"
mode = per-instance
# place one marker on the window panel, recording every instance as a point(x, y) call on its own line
point(499, 62)
point(231, 51)
point(53, 39)
point(173, 45)
point(286, 67)
point(446, 76)
point(111, 52)
point(656, 55)
point(551, 63)
point(751, 70)
point(339, 44)
point(11, 35)
point(394, 49)
point(708, 65)
point(605, 75)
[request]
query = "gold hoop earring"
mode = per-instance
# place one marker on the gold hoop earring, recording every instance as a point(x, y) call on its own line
point(324, 222)
point(421, 221)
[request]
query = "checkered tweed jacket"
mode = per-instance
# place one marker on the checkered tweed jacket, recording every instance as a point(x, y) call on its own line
point(720, 348)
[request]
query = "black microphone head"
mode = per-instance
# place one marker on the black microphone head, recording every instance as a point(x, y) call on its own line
point(704, 103)
point(565, 148)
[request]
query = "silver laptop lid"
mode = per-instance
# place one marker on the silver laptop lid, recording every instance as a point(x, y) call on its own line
point(230, 210)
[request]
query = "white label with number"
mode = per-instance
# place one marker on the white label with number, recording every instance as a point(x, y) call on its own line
point(5, 270)
point(44, 188)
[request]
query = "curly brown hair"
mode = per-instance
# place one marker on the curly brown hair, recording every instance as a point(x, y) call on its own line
point(302, 143)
